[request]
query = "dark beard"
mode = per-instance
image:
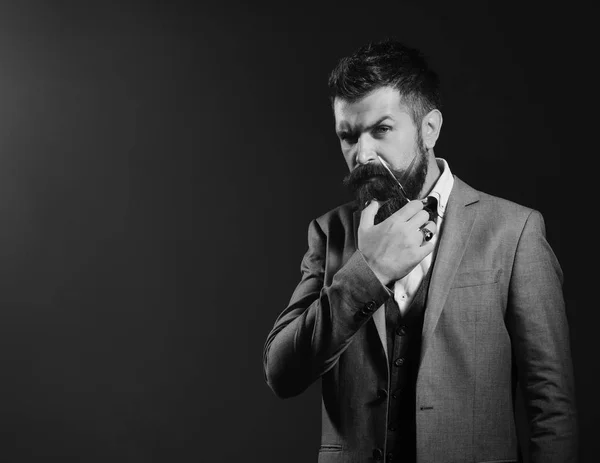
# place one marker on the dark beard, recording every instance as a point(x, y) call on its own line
point(373, 181)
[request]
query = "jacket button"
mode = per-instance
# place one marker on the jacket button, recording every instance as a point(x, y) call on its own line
point(382, 394)
point(401, 330)
point(378, 454)
point(390, 457)
point(371, 306)
point(361, 314)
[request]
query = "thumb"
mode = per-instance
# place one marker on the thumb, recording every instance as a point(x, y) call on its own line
point(367, 216)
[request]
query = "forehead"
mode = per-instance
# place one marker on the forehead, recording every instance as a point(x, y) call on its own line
point(375, 105)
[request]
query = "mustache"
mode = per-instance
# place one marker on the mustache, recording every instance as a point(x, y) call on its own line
point(373, 181)
point(365, 173)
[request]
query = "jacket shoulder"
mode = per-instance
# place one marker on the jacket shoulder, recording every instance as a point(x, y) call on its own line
point(504, 206)
point(341, 216)
point(494, 206)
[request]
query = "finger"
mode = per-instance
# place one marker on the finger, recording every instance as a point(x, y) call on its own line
point(407, 211)
point(367, 216)
point(428, 231)
point(418, 220)
point(431, 226)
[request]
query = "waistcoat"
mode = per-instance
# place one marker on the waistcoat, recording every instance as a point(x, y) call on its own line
point(404, 352)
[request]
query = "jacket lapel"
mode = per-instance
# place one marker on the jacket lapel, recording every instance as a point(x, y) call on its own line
point(456, 229)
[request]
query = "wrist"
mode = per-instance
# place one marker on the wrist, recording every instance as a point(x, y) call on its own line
point(383, 279)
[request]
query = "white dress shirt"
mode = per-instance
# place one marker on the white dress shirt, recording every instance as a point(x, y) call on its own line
point(405, 288)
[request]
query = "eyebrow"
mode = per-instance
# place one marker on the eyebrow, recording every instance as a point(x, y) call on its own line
point(369, 127)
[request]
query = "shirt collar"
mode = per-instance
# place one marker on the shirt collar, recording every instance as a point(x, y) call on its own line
point(442, 188)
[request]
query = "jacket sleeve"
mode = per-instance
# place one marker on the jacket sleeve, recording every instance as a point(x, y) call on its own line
point(540, 335)
point(318, 324)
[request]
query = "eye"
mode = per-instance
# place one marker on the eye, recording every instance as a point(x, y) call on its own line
point(381, 129)
point(347, 138)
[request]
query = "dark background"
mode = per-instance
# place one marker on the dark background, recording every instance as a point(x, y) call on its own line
point(159, 166)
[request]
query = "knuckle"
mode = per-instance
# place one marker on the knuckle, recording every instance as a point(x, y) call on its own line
point(418, 205)
point(412, 207)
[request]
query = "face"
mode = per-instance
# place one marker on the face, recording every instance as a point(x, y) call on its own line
point(380, 126)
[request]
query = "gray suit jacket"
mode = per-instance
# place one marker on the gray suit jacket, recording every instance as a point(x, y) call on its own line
point(494, 317)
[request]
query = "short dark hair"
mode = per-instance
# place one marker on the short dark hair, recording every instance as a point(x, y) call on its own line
point(387, 63)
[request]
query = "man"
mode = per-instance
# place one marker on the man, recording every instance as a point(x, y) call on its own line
point(421, 317)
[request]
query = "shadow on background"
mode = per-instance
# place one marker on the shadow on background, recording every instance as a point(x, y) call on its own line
point(159, 166)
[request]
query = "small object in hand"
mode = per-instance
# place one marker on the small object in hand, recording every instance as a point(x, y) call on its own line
point(430, 205)
point(427, 233)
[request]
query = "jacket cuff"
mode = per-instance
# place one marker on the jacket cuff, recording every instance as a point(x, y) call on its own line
point(359, 286)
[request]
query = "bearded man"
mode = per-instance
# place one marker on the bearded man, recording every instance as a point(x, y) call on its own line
point(424, 303)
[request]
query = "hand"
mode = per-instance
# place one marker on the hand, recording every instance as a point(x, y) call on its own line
point(395, 246)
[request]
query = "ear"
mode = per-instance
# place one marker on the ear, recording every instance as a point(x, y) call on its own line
point(431, 128)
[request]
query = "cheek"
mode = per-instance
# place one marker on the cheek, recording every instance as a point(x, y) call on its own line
point(400, 150)
point(405, 139)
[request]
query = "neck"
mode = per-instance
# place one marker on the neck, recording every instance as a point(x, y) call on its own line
point(433, 174)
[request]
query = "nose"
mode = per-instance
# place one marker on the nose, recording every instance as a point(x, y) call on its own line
point(365, 151)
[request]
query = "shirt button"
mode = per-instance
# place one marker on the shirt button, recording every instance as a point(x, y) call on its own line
point(390, 456)
point(399, 362)
point(396, 394)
